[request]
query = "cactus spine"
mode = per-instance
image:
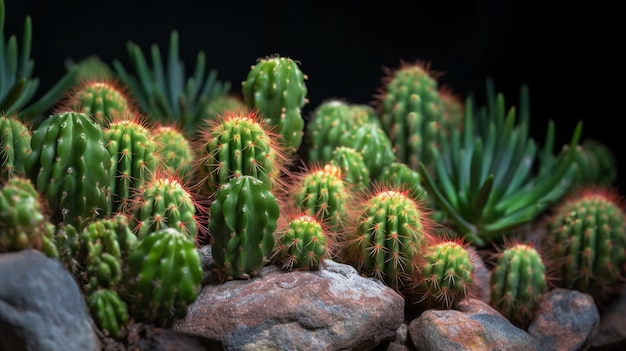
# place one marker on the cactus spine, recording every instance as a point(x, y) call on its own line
point(276, 87)
point(70, 166)
point(242, 221)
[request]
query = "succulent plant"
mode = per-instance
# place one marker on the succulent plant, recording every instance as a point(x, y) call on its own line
point(17, 85)
point(163, 277)
point(446, 273)
point(302, 243)
point(353, 168)
point(238, 143)
point(223, 103)
point(90, 68)
point(388, 241)
point(518, 282)
point(102, 99)
point(15, 139)
point(109, 311)
point(275, 87)
point(587, 239)
point(243, 218)
point(70, 166)
point(164, 92)
point(484, 180)
point(23, 223)
point(595, 163)
point(174, 151)
point(372, 142)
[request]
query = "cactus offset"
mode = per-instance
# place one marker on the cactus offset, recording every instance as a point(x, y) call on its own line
point(14, 146)
point(276, 87)
point(302, 243)
point(243, 218)
point(70, 165)
point(587, 233)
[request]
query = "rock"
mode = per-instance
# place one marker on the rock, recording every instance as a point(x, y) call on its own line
point(473, 325)
point(333, 308)
point(611, 333)
point(565, 320)
point(41, 306)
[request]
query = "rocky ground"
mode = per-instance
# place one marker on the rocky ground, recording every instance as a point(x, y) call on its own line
point(41, 308)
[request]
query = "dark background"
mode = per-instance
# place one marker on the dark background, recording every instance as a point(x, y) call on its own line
point(566, 54)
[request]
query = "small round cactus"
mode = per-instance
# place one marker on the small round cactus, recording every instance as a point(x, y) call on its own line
point(518, 282)
point(302, 243)
point(175, 151)
point(164, 276)
point(587, 239)
point(102, 99)
point(447, 273)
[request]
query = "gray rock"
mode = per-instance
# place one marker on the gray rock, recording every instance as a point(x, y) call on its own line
point(41, 307)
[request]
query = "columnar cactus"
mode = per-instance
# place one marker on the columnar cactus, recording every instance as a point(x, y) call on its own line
point(23, 223)
point(238, 143)
point(174, 151)
point(518, 282)
point(411, 112)
point(164, 277)
point(587, 238)
point(302, 243)
point(447, 273)
point(165, 202)
point(242, 221)
point(15, 139)
point(276, 87)
point(133, 158)
point(102, 99)
point(108, 310)
point(70, 165)
point(389, 237)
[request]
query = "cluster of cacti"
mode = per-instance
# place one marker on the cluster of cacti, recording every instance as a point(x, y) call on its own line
point(122, 194)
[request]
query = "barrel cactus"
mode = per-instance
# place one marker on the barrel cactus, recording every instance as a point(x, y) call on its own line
point(101, 99)
point(302, 243)
point(242, 221)
point(276, 88)
point(372, 142)
point(69, 166)
point(174, 150)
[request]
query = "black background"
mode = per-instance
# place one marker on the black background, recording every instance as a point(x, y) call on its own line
point(567, 54)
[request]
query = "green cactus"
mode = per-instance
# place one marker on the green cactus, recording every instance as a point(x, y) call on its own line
point(322, 192)
point(220, 104)
point(447, 274)
point(326, 127)
point(164, 92)
point(353, 167)
point(104, 247)
point(484, 178)
point(302, 243)
point(164, 274)
point(242, 221)
point(453, 110)
point(276, 88)
point(109, 311)
point(372, 142)
point(595, 163)
point(102, 99)
point(238, 143)
point(90, 68)
point(23, 223)
point(70, 166)
point(17, 86)
point(411, 113)
point(15, 139)
point(134, 158)
point(587, 237)
point(518, 282)
point(362, 113)
point(389, 237)
point(174, 151)
point(165, 202)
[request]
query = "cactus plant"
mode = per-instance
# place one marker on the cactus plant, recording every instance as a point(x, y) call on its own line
point(353, 168)
point(108, 310)
point(484, 180)
point(15, 139)
point(372, 142)
point(23, 223)
point(302, 242)
point(102, 99)
point(238, 143)
point(17, 86)
point(275, 87)
point(164, 275)
point(174, 151)
point(518, 281)
point(390, 234)
point(242, 221)
point(70, 166)
point(220, 104)
point(587, 237)
point(162, 91)
point(446, 273)
point(595, 163)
